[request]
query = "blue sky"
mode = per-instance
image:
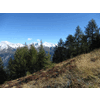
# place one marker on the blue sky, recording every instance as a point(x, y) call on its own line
point(50, 27)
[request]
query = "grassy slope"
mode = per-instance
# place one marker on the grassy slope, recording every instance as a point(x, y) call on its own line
point(82, 71)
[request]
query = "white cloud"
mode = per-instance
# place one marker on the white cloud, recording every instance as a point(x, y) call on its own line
point(29, 39)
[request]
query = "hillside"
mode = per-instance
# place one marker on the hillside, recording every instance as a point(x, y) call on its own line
point(82, 71)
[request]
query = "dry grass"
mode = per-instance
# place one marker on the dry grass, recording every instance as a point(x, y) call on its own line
point(82, 71)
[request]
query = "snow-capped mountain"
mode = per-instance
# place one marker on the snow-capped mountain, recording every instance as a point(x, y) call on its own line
point(6, 44)
point(45, 44)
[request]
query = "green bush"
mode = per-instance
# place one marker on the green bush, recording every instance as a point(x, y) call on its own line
point(28, 73)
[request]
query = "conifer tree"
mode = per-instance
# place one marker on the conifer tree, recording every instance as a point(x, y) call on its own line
point(56, 55)
point(91, 31)
point(32, 61)
point(96, 42)
point(78, 37)
point(83, 41)
point(11, 69)
point(48, 60)
point(70, 44)
point(2, 72)
point(60, 43)
point(48, 57)
point(60, 52)
point(20, 61)
point(42, 58)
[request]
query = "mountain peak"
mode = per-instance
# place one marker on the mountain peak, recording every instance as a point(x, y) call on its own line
point(5, 44)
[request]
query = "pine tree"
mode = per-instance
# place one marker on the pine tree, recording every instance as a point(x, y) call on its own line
point(60, 52)
point(70, 44)
point(20, 63)
point(48, 57)
point(42, 61)
point(60, 43)
point(3, 75)
point(91, 31)
point(84, 48)
point(48, 60)
point(32, 61)
point(11, 69)
point(55, 55)
point(78, 38)
point(96, 42)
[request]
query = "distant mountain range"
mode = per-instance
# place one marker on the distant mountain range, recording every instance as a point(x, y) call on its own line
point(7, 49)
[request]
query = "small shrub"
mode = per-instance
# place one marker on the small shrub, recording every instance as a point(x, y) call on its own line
point(28, 73)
